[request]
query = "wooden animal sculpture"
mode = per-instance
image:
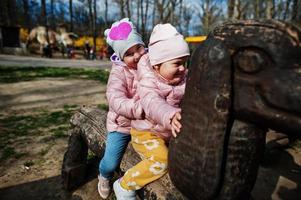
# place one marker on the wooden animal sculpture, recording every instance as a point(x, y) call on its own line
point(63, 38)
point(244, 79)
point(39, 34)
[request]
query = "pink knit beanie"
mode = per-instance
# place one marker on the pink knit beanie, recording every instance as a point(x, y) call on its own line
point(165, 44)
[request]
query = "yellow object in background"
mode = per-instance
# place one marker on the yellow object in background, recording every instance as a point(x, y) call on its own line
point(80, 42)
point(23, 34)
point(195, 39)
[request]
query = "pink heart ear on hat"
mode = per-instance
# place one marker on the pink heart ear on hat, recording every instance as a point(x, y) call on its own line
point(120, 32)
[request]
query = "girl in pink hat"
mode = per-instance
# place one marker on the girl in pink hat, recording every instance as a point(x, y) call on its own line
point(162, 77)
point(122, 98)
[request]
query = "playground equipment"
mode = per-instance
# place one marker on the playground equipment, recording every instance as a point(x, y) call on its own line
point(49, 38)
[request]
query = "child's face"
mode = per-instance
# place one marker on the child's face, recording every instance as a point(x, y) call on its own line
point(172, 70)
point(133, 55)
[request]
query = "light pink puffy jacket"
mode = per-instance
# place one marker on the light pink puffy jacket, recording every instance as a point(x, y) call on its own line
point(122, 98)
point(159, 100)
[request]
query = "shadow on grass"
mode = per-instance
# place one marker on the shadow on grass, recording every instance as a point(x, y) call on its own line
point(18, 74)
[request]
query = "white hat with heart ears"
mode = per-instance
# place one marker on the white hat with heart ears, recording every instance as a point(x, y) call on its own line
point(121, 36)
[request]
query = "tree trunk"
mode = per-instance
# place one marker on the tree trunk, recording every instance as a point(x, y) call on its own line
point(257, 9)
point(144, 14)
point(94, 25)
point(138, 16)
point(43, 13)
point(71, 15)
point(205, 17)
point(296, 14)
point(180, 16)
point(44, 19)
point(160, 10)
point(187, 17)
point(167, 11)
point(145, 20)
point(270, 9)
point(286, 12)
point(128, 8)
point(121, 7)
point(142, 18)
point(52, 14)
point(154, 12)
point(90, 16)
point(231, 6)
point(106, 13)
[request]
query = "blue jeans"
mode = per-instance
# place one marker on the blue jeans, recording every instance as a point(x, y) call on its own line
point(116, 145)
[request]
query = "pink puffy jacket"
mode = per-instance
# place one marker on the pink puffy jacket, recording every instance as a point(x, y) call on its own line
point(122, 98)
point(159, 100)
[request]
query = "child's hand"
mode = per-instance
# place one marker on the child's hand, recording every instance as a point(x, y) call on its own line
point(175, 124)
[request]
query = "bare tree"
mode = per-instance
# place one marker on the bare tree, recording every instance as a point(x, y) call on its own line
point(231, 6)
point(257, 9)
point(180, 16)
point(138, 15)
point(94, 24)
point(270, 9)
point(144, 14)
point(44, 18)
point(81, 19)
point(121, 5)
point(286, 11)
point(209, 14)
point(154, 12)
point(52, 14)
point(241, 9)
point(43, 13)
point(164, 11)
point(61, 14)
point(296, 13)
point(71, 14)
point(106, 13)
point(128, 8)
point(187, 16)
point(26, 15)
point(90, 16)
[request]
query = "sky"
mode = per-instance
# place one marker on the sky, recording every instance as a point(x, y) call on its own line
point(114, 14)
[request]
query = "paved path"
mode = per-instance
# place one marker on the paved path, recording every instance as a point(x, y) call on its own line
point(25, 61)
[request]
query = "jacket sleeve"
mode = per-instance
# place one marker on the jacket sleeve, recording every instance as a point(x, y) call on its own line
point(152, 101)
point(118, 99)
point(154, 105)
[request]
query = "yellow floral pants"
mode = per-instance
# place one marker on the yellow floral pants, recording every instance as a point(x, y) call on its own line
point(153, 152)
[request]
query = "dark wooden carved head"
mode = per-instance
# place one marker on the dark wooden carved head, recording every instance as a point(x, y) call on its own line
point(244, 79)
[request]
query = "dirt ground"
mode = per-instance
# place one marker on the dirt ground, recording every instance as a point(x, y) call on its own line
point(279, 178)
point(19, 179)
